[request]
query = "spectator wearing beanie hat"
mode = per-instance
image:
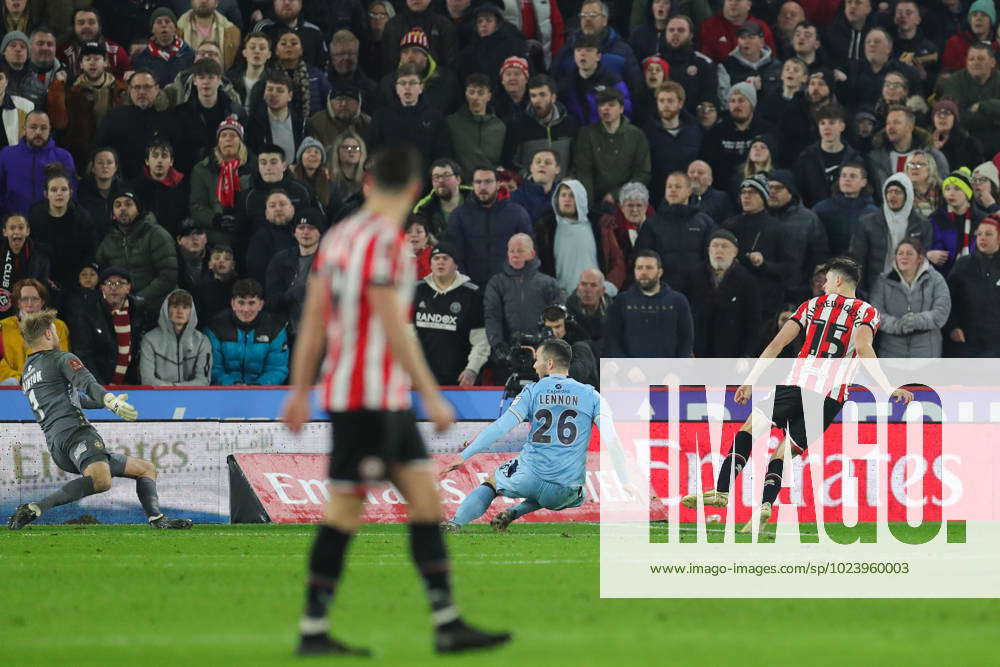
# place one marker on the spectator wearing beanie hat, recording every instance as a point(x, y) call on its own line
point(166, 54)
point(725, 301)
point(762, 240)
point(442, 89)
point(954, 223)
point(511, 101)
point(727, 144)
point(20, 79)
point(986, 188)
point(442, 36)
point(981, 20)
point(342, 113)
point(958, 146)
point(140, 246)
point(973, 327)
point(217, 180)
point(655, 71)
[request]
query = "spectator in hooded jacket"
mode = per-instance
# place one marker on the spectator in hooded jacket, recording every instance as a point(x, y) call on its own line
point(480, 228)
point(22, 166)
point(841, 212)
point(678, 232)
point(610, 152)
point(571, 241)
point(674, 136)
point(877, 234)
point(175, 353)
point(249, 345)
point(913, 304)
point(649, 319)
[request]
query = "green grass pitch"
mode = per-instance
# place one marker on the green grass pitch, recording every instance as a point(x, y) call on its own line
point(231, 595)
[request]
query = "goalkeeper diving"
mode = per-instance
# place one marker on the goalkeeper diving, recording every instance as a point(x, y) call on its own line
point(550, 471)
point(58, 386)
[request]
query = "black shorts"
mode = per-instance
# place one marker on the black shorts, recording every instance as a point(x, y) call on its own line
point(367, 442)
point(83, 447)
point(788, 414)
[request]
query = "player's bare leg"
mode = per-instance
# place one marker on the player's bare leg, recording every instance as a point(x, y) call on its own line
point(144, 474)
point(733, 464)
point(96, 479)
point(473, 507)
point(772, 484)
point(341, 520)
point(418, 485)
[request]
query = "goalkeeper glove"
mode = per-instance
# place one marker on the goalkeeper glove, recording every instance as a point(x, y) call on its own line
point(118, 406)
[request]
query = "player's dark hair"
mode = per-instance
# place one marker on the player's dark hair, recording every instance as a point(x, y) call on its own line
point(849, 269)
point(396, 167)
point(558, 351)
point(34, 325)
point(247, 288)
point(161, 145)
point(648, 252)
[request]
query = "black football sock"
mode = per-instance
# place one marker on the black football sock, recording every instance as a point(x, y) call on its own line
point(71, 491)
point(772, 481)
point(427, 548)
point(326, 562)
point(145, 488)
point(737, 458)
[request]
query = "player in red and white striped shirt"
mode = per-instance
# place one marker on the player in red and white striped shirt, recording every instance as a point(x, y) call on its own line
point(839, 329)
point(357, 309)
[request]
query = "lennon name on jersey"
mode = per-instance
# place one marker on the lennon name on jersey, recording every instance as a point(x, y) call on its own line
point(558, 399)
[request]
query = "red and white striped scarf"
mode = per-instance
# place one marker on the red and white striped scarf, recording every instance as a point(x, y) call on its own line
point(165, 52)
point(123, 338)
point(966, 231)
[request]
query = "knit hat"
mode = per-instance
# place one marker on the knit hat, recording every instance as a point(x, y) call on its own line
point(230, 123)
point(746, 90)
point(114, 271)
point(960, 178)
point(444, 248)
point(656, 60)
point(989, 171)
point(162, 11)
point(13, 36)
point(947, 105)
point(758, 182)
point(609, 94)
point(826, 75)
point(416, 38)
point(785, 177)
point(92, 49)
point(309, 142)
point(984, 6)
point(123, 191)
point(310, 216)
point(517, 63)
point(342, 88)
point(721, 233)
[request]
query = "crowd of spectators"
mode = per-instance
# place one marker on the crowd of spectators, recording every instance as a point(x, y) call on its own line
point(643, 178)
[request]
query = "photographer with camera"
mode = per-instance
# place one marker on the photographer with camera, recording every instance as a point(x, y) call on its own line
point(513, 305)
point(560, 324)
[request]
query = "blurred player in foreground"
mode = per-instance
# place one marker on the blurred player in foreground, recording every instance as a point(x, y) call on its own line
point(837, 326)
point(551, 469)
point(356, 308)
point(58, 385)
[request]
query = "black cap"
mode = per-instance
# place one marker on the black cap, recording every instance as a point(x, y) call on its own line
point(751, 28)
point(311, 216)
point(609, 94)
point(341, 88)
point(114, 271)
point(92, 49)
point(189, 226)
point(443, 248)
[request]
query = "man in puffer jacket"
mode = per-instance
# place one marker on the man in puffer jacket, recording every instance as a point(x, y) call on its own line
point(248, 346)
point(142, 247)
point(175, 353)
